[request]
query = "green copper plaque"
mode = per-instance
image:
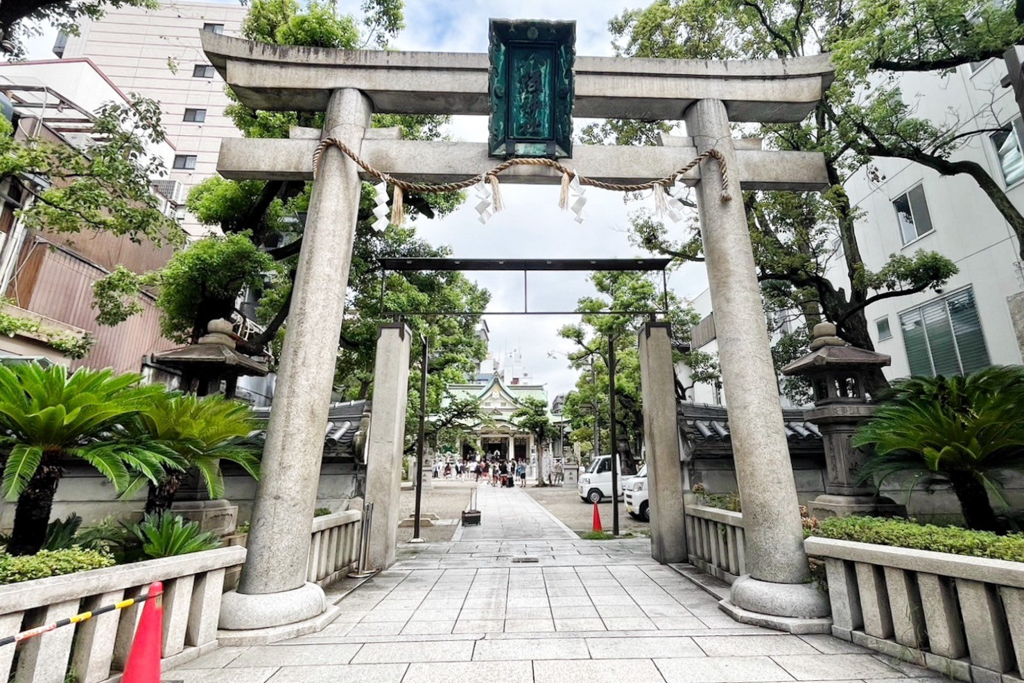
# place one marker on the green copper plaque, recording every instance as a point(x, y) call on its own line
point(531, 88)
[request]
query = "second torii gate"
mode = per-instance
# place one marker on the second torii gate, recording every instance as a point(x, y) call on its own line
point(350, 85)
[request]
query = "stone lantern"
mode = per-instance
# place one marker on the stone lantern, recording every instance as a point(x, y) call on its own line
point(838, 373)
point(211, 360)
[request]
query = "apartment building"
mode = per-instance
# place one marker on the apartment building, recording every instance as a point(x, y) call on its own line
point(906, 207)
point(157, 54)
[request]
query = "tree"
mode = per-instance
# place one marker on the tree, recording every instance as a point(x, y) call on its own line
point(21, 19)
point(532, 415)
point(457, 419)
point(50, 418)
point(106, 185)
point(619, 291)
point(201, 433)
point(270, 216)
point(961, 432)
point(796, 236)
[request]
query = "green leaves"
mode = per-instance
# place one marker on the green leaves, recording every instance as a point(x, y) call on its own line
point(907, 534)
point(946, 430)
point(202, 282)
point(168, 535)
point(108, 188)
point(50, 415)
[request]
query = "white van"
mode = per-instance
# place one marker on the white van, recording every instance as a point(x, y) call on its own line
point(596, 484)
point(636, 496)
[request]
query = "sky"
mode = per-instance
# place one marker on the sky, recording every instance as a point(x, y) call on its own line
point(531, 226)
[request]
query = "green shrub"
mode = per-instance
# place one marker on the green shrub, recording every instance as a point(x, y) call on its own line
point(906, 534)
point(722, 501)
point(321, 512)
point(167, 535)
point(50, 563)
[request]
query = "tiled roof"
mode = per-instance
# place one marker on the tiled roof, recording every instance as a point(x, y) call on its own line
point(706, 426)
point(345, 431)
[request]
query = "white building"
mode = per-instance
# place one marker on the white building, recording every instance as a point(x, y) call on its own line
point(906, 207)
point(157, 54)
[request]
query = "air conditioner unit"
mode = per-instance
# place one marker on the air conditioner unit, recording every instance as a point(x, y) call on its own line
point(172, 190)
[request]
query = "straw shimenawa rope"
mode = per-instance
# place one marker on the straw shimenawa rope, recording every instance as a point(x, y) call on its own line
point(491, 176)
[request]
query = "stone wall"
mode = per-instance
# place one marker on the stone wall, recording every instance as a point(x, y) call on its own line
point(82, 490)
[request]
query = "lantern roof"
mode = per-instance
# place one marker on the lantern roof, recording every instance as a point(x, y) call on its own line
point(829, 351)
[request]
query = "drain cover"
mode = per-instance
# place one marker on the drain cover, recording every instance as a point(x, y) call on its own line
point(524, 559)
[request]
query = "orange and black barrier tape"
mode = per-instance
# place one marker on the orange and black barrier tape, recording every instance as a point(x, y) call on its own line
point(84, 616)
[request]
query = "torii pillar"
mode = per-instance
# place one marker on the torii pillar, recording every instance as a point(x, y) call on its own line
point(273, 590)
point(778, 591)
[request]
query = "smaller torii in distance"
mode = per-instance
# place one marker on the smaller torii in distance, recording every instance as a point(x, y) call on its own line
point(350, 85)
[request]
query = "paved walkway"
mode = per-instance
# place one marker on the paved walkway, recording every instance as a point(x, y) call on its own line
point(586, 612)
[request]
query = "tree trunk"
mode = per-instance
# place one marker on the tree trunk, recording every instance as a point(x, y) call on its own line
point(32, 514)
point(161, 495)
point(540, 462)
point(974, 503)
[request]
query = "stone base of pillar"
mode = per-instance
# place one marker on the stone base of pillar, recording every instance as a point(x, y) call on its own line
point(248, 611)
point(781, 606)
point(844, 506)
point(794, 625)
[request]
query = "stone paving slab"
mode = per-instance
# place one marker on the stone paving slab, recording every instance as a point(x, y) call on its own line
point(462, 612)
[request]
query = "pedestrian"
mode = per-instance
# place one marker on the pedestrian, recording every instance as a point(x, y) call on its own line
point(521, 473)
point(559, 473)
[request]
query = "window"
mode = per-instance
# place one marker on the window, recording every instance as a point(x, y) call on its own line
point(195, 115)
point(912, 214)
point(216, 28)
point(203, 71)
point(185, 161)
point(882, 325)
point(944, 337)
point(1008, 149)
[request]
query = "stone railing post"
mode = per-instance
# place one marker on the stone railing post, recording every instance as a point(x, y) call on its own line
point(387, 440)
point(273, 590)
point(778, 566)
point(661, 442)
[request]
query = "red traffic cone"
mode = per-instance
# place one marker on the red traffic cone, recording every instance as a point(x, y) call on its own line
point(143, 664)
point(597, 520)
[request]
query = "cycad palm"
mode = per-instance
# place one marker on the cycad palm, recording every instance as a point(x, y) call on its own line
point(202, 432)
point(960, 431)
point(51, 417)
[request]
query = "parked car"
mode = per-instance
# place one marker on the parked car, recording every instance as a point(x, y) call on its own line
point(637, 504)
point(626, 483)
point(596, 484)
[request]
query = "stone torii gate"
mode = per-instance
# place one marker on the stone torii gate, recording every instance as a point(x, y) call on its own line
point(350, 85)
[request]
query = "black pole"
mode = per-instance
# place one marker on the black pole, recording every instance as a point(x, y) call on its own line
point(612, 436)
point(597, 411)
point(419, 444)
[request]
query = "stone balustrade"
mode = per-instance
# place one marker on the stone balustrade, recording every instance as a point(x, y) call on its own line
point(335, 546)
point(961, 616)
point(96, 649)
point(714, 541)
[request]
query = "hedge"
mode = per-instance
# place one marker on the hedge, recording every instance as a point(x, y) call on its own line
point(50, 563)
point(906, 534)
